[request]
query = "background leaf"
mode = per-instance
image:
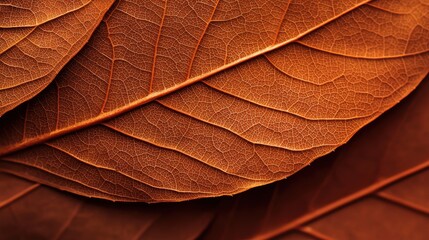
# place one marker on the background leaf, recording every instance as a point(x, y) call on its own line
point(43, 213)
point(400, 211)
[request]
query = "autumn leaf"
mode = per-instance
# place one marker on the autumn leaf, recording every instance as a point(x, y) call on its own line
point(177, 101)
point(381, 172)
point(37, 38)
point(400, 211)
point(389, 151)
point(58, 215)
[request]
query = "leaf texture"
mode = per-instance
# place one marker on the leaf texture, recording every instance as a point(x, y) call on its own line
point(339, 187)
point(387, 151)
point(215, 98)
point(37, 38)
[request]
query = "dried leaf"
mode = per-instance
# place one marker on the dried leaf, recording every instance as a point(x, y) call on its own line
point(30, 211)
point(37, 38)
point(397, 216)
point(279, 84)
point(385, 152)
point(366, 166)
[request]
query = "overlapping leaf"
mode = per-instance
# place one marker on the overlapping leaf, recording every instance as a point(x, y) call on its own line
point(37, 38)
point(352, 177)
point(279, 84)
point(389, 150)
point(400, 211)
point(57, 215)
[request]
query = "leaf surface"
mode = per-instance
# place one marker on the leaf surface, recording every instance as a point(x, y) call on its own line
point(215, 98)
point(339, 182)
point(37, 38)
point(387, 154)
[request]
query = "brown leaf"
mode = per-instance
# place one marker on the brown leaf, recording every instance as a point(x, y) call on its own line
point(376, 162)
point(385, 152)
point(30, 211)
point(403, 214)
point(395, 217)
point(292, 83)
point(37, 38)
